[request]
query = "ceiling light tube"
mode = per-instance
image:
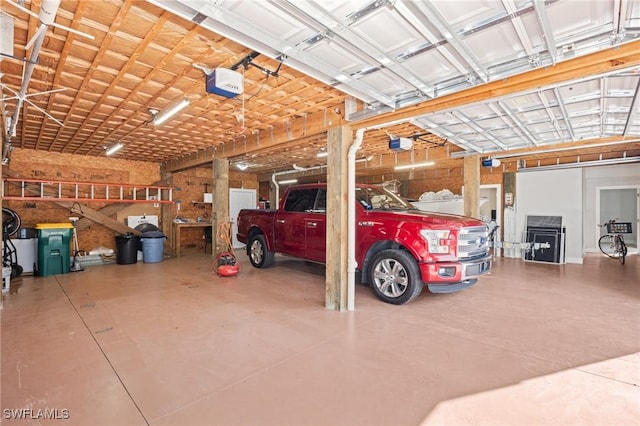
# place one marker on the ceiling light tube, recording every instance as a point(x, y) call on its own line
point(415, 165)
point(322, 154)
point(114, 148)
point(242, 166)
point(164, 116)
point(532, 151)
point(364, 159)
point(610, 161)
point(287, 181)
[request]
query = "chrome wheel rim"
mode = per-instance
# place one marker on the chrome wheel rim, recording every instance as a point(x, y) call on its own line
point(257, 252)
point(390, 278)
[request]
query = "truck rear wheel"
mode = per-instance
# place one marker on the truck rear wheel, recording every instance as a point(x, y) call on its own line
point(259, 254)
point(394, 277)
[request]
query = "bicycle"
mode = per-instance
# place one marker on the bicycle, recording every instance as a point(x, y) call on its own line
point(491, 235)
point(10, 225)
point(612, 243)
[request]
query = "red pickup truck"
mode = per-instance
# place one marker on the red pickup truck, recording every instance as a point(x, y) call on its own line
point(399, 249)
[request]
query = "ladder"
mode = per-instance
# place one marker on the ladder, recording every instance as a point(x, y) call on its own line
point(48, 190)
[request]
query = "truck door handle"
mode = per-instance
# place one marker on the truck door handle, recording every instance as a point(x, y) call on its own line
point(311, 224)
point(280, 220)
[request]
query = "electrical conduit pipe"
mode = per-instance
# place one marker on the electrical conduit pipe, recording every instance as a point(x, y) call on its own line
point(351, 219)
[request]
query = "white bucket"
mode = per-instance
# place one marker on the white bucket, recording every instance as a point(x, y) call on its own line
point(6, 279)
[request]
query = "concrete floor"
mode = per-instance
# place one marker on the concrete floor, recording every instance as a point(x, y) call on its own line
point(171, 343)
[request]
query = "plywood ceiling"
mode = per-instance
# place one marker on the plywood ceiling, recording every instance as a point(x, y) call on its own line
point(142, 58)
point(343, 61)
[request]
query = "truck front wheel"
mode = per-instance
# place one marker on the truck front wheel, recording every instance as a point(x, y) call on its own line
point(394, 277)
point(259, 254)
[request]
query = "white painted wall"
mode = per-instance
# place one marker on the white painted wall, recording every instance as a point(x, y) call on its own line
point(570, 193)
point(626, 175)
point(551, 193)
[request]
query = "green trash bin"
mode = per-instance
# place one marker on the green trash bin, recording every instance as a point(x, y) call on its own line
point(53, 248)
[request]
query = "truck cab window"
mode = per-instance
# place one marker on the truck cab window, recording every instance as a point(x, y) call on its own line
point(321, 202)
point(372, 198)
point(300, 200)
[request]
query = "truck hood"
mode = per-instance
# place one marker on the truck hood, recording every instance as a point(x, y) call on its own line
point(420, 216)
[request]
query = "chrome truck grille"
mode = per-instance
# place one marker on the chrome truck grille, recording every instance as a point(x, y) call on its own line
point(473, 242)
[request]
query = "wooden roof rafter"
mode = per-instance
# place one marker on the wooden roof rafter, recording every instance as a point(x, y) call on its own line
point(63, 56)
point(194, 32)
point(614, 58)
point(193, 92)
point(123, 72)
point(117, 22)
point(32, 27)
point(97, 107)
point(618, 57)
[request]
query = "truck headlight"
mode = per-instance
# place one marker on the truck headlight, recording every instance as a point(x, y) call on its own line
point(439, 241)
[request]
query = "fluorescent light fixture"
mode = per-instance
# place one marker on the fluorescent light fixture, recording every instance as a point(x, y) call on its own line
point(242, 166)
point(342, 78)
point(285, 182)
point(323, 154)
point(114, 148)
point(164, 116)
point(415, 165)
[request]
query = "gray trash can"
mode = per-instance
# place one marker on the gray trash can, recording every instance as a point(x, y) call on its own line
point(152, 246)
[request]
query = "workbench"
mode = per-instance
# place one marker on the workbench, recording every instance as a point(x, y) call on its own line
point(177, 227)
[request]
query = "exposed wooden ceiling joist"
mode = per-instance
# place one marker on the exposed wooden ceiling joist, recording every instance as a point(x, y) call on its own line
point(143, 57)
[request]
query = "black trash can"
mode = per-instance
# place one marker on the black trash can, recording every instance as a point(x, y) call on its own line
point(127, 246)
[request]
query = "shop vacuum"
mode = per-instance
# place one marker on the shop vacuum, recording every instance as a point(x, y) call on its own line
point(76, 266)
point(227, 264)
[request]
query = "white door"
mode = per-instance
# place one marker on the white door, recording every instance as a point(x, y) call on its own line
point(239, 199)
